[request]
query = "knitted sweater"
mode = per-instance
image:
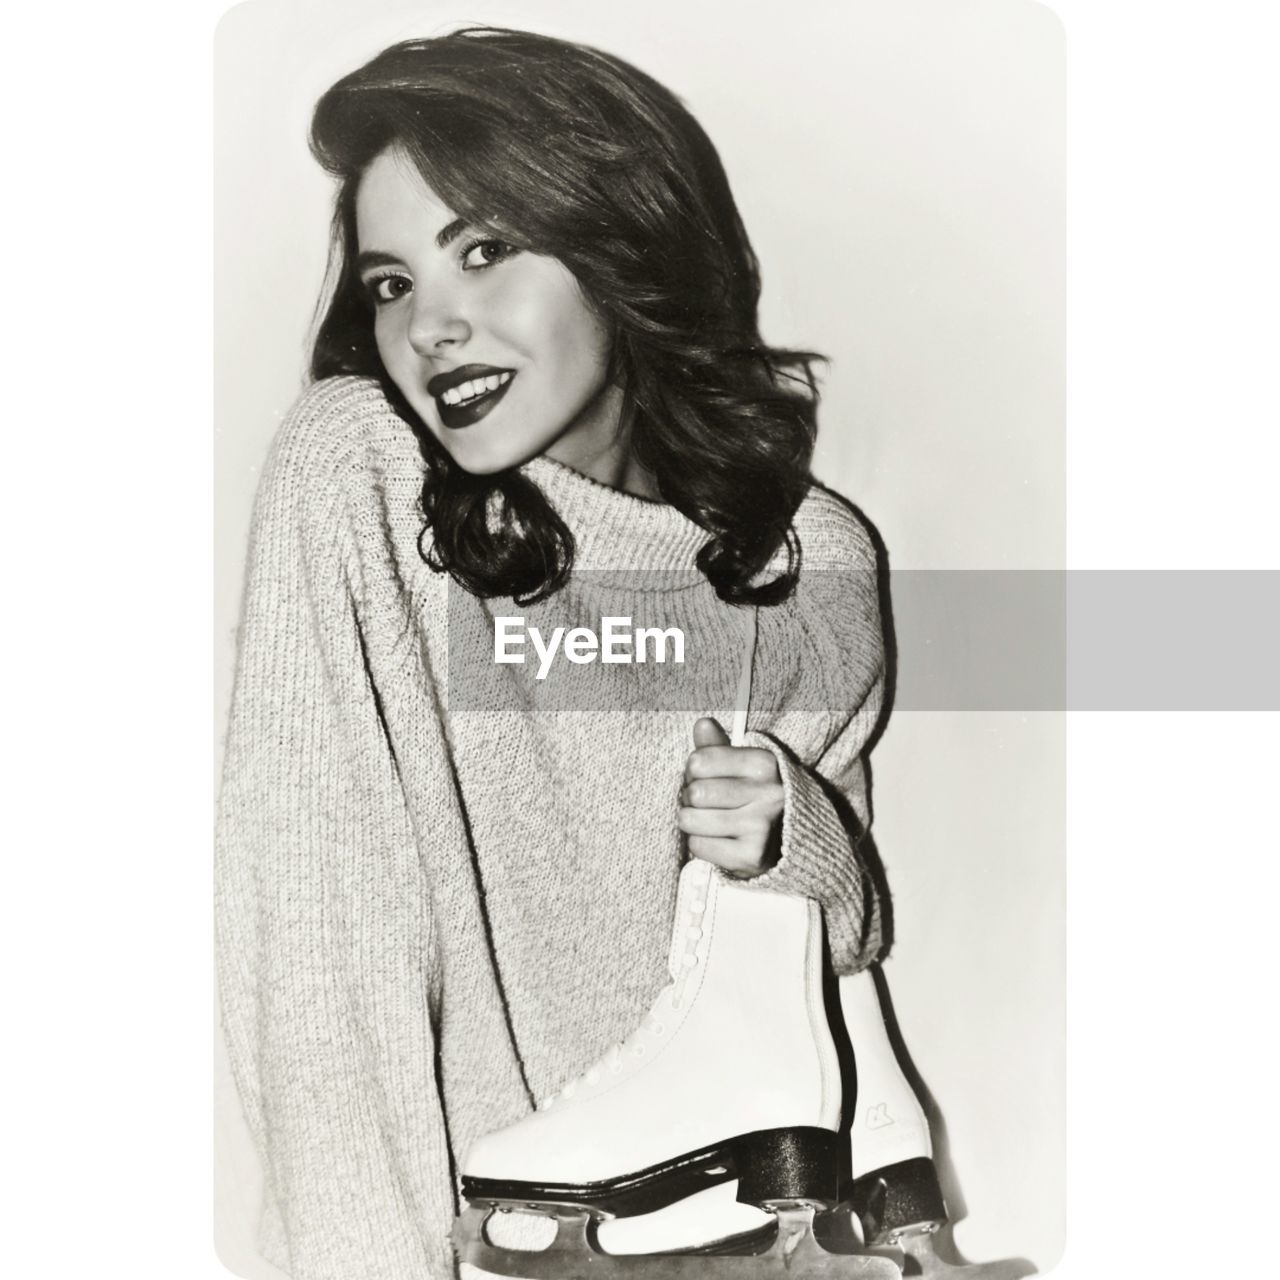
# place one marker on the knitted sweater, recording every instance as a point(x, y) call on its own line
point(436, 905)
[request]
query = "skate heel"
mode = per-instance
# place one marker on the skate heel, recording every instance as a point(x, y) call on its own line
point(779, 1165)
point(898, 1199)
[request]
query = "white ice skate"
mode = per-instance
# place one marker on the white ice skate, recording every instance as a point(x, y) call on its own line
point(731, 1078)
point(894, 1192)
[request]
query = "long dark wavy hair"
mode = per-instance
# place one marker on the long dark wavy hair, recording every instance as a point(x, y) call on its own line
point(578, 155)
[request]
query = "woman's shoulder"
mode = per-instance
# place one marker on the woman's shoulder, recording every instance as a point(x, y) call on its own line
point(834, 534)
point(838, 594)
point(341, 435)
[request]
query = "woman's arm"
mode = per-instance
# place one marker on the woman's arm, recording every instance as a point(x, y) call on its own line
point(825, 804)
point(825, 815)
point(314, 846)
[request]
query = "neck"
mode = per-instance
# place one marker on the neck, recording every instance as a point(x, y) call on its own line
point(604, 453)
point(618, 469)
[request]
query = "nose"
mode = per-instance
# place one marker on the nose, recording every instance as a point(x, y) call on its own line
point(436, 324)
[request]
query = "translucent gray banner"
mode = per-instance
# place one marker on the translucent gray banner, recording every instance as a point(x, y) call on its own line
point(970, 640)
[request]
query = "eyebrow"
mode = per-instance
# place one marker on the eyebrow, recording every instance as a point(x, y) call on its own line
point(376, 258)
point(450, 232)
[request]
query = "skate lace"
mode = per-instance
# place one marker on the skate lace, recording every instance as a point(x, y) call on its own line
point(683, 961)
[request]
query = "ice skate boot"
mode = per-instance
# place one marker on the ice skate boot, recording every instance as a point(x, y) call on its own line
point(731, 1078)
point(894, 1193)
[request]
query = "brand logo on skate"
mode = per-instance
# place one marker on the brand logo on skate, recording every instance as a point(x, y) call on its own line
point(878, 1117)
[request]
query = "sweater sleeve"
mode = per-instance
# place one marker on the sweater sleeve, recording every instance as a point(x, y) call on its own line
point(314, 844)
point(826, 808)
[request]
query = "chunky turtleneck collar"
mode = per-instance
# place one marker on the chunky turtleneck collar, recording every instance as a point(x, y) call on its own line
point(613, 529)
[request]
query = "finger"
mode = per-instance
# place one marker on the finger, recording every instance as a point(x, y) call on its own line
point(730, 793)
point(732, 762)
point(750, 823)
point(708, 732)
point(726, 854)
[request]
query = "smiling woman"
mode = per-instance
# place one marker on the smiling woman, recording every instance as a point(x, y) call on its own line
point(537, 206)
point(540, 359)
point(543, 328)
point(465, 323)
point(539, 381)
point(446, 886)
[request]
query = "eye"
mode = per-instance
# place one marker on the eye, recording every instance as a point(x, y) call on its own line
point(387, 287)
point(486, 253)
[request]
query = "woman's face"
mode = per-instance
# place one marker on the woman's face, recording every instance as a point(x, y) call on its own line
point(496, 349)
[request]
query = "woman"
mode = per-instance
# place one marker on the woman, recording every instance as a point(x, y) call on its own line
point(539, 393)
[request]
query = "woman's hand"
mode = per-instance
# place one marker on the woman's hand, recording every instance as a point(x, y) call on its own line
point(731, 802)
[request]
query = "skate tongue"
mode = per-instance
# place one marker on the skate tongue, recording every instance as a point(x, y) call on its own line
point(695, 884)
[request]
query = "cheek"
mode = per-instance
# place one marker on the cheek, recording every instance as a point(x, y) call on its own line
point(389, 338)
point(384, 333)
point(581, 342)
point(552, 325)
point(382, 339)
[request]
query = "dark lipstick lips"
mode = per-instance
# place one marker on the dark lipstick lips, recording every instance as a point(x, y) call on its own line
point(463, 415)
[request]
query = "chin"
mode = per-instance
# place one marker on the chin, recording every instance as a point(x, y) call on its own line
point(481, 461)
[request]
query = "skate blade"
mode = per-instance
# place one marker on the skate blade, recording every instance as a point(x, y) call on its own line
point(920, 1258)
point(794, 1254)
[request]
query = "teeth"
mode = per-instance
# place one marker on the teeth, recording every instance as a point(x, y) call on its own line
point(474, 388)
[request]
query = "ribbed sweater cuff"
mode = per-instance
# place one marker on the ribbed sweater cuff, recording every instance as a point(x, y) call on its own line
point(818, 860)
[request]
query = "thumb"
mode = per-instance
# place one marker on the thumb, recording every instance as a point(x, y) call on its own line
point(709, 733)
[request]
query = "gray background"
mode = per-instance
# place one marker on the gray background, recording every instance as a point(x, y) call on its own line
point(899, 166)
